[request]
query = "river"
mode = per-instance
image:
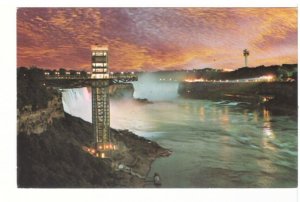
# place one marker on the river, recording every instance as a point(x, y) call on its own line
point(214, 144)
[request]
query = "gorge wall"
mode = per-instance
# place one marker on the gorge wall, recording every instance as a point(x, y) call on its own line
point(121, 90)
point(56, 159)
point(31, 121)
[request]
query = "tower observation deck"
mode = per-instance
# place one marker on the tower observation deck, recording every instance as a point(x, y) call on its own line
point(99, 79)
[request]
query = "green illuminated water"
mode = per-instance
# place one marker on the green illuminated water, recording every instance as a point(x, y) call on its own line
point(214, 144)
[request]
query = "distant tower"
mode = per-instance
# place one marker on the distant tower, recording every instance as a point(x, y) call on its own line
point(246, 54)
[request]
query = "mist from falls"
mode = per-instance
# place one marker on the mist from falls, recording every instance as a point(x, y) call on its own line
point(149, 87)
point(78, 101)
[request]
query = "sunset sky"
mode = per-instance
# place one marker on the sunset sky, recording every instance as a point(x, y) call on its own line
point(152, 39)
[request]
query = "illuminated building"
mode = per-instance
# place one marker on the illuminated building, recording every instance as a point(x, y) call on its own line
point(99, 79)
point(100, 98)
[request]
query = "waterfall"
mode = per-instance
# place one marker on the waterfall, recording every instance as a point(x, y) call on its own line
point(77, 102)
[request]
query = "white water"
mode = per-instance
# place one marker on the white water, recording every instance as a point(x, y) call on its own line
point(78, 102)
point(148, 87)
point(214, 144)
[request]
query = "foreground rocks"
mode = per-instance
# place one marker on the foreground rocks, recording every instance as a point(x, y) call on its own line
point(136, 153)
point(55, 158)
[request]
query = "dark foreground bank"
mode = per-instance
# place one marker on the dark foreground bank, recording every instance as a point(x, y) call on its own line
point(55, 157)
point(50, 143)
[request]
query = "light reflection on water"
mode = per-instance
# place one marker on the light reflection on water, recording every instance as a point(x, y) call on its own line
point(214, 145)
point(268, 133)
point(201, 114)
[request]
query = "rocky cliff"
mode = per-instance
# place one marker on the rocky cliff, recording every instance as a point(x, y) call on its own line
point(37, 121)
point(121, 90)
point(56, 158)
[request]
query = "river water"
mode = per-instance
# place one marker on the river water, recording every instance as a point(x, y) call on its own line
point(214, 144)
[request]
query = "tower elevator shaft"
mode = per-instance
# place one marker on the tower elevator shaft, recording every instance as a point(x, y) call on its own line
point(101, 113)
point(99, 79)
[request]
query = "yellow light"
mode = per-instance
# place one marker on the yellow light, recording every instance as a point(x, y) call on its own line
point(102, 155)
point(99, 48)
point(193, 80)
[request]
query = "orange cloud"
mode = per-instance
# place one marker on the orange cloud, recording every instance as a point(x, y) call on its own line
point(156, 38)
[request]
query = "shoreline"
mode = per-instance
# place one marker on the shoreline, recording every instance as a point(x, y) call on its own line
point(138, 156)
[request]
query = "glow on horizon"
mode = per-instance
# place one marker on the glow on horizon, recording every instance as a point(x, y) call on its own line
point(150, 39)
